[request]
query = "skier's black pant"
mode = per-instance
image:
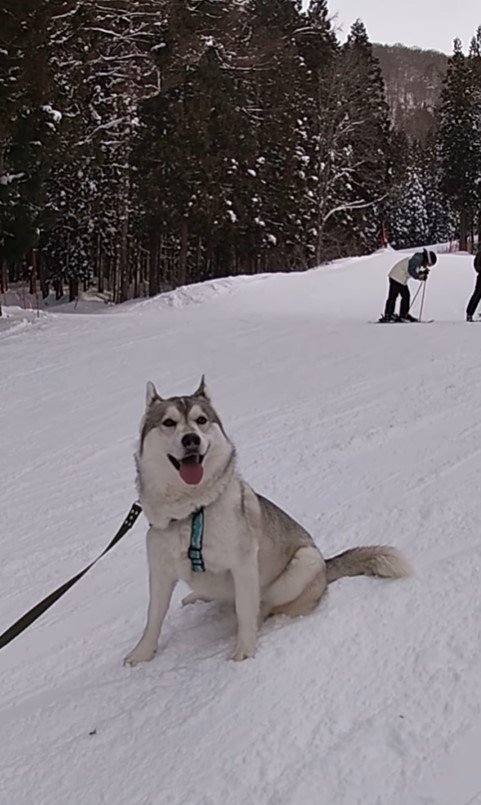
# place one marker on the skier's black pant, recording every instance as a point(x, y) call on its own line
point(397, 289)
point(475, 299)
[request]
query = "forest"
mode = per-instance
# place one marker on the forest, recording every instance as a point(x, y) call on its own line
point(147, 144)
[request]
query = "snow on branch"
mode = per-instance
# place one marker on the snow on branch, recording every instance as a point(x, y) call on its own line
point(353, 205)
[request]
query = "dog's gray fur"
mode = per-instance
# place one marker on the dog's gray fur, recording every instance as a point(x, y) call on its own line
point(255, 554)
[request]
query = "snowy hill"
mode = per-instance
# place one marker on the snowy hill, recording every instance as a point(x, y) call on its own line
point(364, 433)
point(414, 79)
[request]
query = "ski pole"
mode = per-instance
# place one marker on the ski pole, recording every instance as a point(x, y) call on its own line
point(415, 297)
point(422, 300)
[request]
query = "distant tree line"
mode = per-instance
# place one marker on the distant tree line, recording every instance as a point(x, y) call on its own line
point(414, 81)
point(145, 144)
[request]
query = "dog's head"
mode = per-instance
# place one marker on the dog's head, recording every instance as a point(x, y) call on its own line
point(185, 434)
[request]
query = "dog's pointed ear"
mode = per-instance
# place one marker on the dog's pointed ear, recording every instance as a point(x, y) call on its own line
point(202, 390)
point(150, 394)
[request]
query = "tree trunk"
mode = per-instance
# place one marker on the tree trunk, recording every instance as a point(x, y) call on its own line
point(154, 247)
point(3, 279)
point(114, 265)
point(184, 246)
point(58, 288)
point(34, 276)
point(137, 271)
point(72, 289)
point(463, 231)
point(33, 273)
point(44, 284)
point(143, 268)
point(4, 276)
point(124, 267)
point(100, 266)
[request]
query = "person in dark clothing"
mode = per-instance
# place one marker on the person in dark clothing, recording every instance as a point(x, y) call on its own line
point(476, 297)
point(416, 267)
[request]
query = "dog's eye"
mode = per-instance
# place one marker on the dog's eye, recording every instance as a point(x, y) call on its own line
point(169, 423)
point(201, 420)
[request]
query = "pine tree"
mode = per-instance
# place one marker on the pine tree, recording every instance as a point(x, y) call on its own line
point(475, 62)
point(351, 148)
point(104, 66)
point(369, 146)
point(227, 144)
point(323, 166)
point(460, 139)
point(410, 220)
point(194, 145)
point(28, 125)
point(276, 97)
point(441, 218)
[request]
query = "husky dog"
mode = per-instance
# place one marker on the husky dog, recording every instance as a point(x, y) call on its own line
point(254, 554)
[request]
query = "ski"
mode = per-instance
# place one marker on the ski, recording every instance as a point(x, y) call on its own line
point(425, 321)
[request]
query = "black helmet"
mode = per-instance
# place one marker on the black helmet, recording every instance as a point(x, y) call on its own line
point(433, 258)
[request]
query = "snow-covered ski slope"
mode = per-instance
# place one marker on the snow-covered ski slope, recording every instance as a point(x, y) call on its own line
point(365, 434)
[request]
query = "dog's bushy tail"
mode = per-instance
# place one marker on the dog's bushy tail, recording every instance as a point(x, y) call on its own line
point(373, 560)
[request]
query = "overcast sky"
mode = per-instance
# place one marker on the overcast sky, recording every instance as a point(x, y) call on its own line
point(423, 23)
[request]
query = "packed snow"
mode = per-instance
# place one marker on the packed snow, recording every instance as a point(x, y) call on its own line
point(365, 433)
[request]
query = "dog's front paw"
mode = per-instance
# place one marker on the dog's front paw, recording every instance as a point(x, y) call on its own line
point(140, 654)
point(243, 652)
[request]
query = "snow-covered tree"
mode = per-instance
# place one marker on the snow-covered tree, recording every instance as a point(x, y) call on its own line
point(350, 146)
point(408, 213)
point(148, 143)
point(102, 56)
point(28, 125)
point(460, 139)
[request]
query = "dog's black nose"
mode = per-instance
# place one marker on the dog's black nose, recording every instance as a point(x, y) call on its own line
point(190, 440)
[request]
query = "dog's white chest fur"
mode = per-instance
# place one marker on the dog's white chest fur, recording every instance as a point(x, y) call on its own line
point(223, 544)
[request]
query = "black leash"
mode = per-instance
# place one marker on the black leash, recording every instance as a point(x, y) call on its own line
point(19, 626)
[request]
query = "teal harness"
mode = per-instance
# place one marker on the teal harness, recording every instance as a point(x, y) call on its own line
point(196, 540)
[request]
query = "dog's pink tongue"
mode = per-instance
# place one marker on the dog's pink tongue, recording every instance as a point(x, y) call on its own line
point(191, 473)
